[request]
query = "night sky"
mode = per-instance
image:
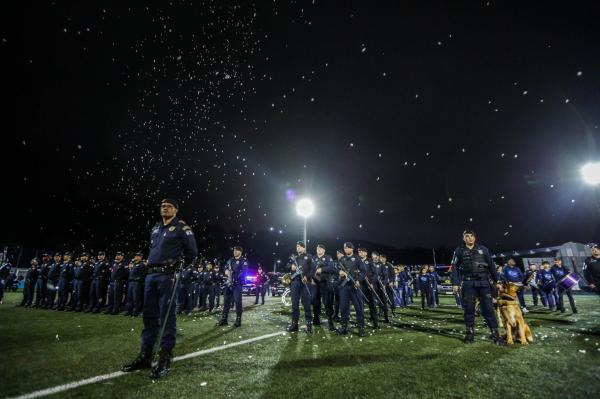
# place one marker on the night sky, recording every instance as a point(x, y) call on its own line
point(406, 122)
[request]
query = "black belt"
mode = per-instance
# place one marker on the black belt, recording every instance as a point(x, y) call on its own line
point(160, 269)
point(475, 278)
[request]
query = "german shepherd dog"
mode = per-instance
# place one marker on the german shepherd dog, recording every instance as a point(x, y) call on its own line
point(509, 312)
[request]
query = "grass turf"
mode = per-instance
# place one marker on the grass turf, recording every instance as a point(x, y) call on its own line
point(420, 355)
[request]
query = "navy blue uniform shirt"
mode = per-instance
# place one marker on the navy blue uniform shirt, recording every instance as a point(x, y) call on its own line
point(170, 241)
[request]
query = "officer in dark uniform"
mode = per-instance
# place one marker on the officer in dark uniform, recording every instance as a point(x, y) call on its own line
point(262, 282)
point(53, 278)
point(380, 281)
point(591, 269)
point(65, 282)
point(4, 273)
point(42, 281)
point(235, 270)
point(472, 269)
point(320, 292)
point(339, 254)
point(435, 281)
point(29, 284)
point(214, 286)
point(201, 287)
point(368, 287)
point(100, 278)
point(302, 270)
point(559, 271)
point(169, 241)
point(135, 288)
point(390, 274)
point(186, 287)
point(118, 277)
point(352, 272)
point(83, 280)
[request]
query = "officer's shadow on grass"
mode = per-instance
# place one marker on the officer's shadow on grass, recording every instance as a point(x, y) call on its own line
point(429, 330)
point(427, 317)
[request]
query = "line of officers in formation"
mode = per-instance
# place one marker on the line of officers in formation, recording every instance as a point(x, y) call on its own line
point(60, 282)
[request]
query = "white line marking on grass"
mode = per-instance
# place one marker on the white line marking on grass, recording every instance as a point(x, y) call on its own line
point(104, 377)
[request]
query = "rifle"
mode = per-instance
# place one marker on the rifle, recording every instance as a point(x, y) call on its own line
point(298, 272)
point(387, 297)
point(350, 279)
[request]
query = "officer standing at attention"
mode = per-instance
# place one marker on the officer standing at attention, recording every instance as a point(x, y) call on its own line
point(327, 269)
point(118, 277)
point(83, 279)
point(29, 283)
point(186, 288)
point(262, 281)
point(235, 270)
point(65, 282)
point(135, 289)
point(169, 241)
point(53, 277)
point(591, 269)
point(351, 271)
point(472, 269)
point(320, 292)
point(390, 274)
point(300, 265)
point(100, 277)
point(42, 281)
point(559, 271)
point(368, 287)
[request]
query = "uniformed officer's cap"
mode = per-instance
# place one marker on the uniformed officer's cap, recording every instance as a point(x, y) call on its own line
point(68, 254)
point(170, 201)
point(101, 253)
point(468, 231)
point(348, 244)
point(322, 246)
point(45, 254)
point(375, 253)
point(340, 251)
point(597, 246)
point(362, 249)
point(57, 254)
point(85, 254)
point(139, 253)
point(119, 253)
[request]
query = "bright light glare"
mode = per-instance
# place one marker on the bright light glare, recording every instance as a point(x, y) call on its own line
point(305, 207)
point(591, 173)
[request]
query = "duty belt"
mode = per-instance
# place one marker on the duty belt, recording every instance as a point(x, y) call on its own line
point(476, 277)
point(160, 269)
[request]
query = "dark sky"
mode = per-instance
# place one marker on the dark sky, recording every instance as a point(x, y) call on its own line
point(405, 121)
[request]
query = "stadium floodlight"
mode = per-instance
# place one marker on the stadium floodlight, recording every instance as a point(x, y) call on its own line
point(591, 173)
point(305, 208)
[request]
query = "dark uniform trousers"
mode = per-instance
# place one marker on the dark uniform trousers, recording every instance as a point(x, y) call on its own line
point(336, 301)
point(111, 295)
point(135, 296)
point(348, 293)
point(261, 291)
point(233, 296)
point(371, 302)
point(64, 291)
point(97, 294)
point(473, 290)
point(535, 293)
point(81, 294)
point(299, 292)
point(118, 291)
point(28, 290)
point(51, 293)
point(324, 293)
point(561, 300)
point(197, 295)
point(214, 292)
point(41, 291)
point(157, 294)
point(184, 297)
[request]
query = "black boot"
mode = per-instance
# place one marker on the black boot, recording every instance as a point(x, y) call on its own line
point(292, 327)
point(163, 366)
point(361, 331)
point(342, 330)
point(575, 310)
point(222, 322)
point(498, 340)
point(316, 321)
point(331, 325)
point(376, 324)
point(469, 336)
point(238, 321)
point(142, 361)
point(309, 329)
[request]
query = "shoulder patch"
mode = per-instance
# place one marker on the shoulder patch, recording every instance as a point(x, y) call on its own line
point(186, 227)
point(182, 222)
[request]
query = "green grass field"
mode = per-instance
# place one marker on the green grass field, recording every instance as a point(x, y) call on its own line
point(420, 355)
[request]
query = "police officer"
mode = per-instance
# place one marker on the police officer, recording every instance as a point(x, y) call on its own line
point(203, 286)
point(198, 279)
point(262, 282)
point(184, 300)
point(559, 271)
point(214, 286)
point(591, 269)
point(390, 274)
point(29, 283)
point(83, 280)
point(352, 272)
point(319, 290)
point(339, 254)
point(435, 281)
point(425, 281)
point(368, 287)
point(235, 270)
point(65, 282)
point(53, 279)
point(4, 272)
point(118, 277)
point(42, 281)
point(135, 288)
point(472, 269)
point(169, 240)
point(99, 284)
point(513, 274)
point(302, 270)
